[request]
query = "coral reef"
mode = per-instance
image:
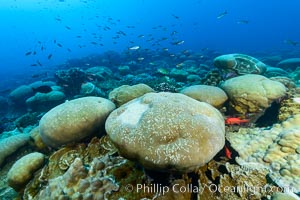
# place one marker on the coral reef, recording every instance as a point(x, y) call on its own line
point(276, 149)
point(74, 120)
point(27, 119)
point(89, 89)
point(213, 78)
point(45, 101)
point(290, 106)
point(239, 64)
point(209, 94)
point(70, 80)
point(252, 93)
point(20, 94)
point(167, 131)
point(11, 144)
point(22, 171)
point(125, 93)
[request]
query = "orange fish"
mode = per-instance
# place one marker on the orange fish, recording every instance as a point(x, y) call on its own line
point(228, 153)
point(235, 120)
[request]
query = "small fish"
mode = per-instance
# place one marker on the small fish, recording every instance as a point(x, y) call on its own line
point(291, 42)
point(140, 59)
point(221, 15)
point(57, 19)
point(165, 49)
point(235, 121)
point(174, 32)
point(28, 53)
point(42, 48)
point(33, 65)
point(39, 63)
point(78, 36)
point(69, 50)
point(242, 22)
point(141, 36)
point(54, 41)
point(175, 16)
point(94, 43)
point(178, 42)
point(68, 27)
point(122, 33)
point(49, 56)
point(59, 45)
point(34, 53)
point(162, 71)
point(227, 152)
point(134, 48)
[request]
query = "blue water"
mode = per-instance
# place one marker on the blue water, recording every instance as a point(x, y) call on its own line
point(30, 25)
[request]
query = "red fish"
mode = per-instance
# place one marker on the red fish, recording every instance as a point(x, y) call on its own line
point(228, 153)
point(235, 120)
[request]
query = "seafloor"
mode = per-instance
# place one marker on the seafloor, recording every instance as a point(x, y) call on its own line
point(154, 125)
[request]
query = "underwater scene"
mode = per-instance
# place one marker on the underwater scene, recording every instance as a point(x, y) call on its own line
point(149, 99)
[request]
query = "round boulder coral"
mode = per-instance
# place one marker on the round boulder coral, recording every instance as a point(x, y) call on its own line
point(74, 120)
point(125, 93)
point(240, 64)
point(209, 94)
point(167, 131)
point(23, 170)
point(252, 93)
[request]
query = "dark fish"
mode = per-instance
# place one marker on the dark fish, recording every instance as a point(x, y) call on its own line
point(42, 48)
point(33, 65)
point(174, 32)
point(122, 33)
point(28, 53)
point(59, 45)
point(176, 17)
point(57, 19)
point(221, 15)
point(43, 89)
point(78, 36)
point(34, 53)
point(94, 43)
point(49, 56)
point(178, 42)
point(39, 63)
point(69, 50)
point(67, 27)
point(54, 41)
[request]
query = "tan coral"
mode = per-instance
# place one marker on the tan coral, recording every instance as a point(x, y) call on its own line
point(11, 144)
point(290, 106)
point(76, 183)
point(275, 149)
point(220, 180)
point(23, 170)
